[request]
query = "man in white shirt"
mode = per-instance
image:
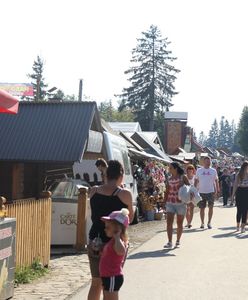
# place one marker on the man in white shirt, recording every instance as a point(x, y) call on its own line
point(206, 180)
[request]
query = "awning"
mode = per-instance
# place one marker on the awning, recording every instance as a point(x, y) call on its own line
point(143, 154)
point(8, 103)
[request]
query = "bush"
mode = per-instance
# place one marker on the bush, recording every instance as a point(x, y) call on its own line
point(27, 274)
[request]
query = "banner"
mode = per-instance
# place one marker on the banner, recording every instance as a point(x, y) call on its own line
point(18, 89)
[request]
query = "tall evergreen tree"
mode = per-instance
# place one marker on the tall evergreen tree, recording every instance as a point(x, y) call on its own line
point(38, 81)
point(243, 131)
point(227, 135)
point(221, 141)
point(213, 136)
point(152, 78)
point(202, 139)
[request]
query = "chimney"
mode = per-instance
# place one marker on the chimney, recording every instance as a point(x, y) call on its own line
point(80, 94)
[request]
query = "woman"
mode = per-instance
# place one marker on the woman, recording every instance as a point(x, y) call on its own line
point(174, 206)
point(240, 191)
point(102, 166)
point(105, 199)
point(190, 173)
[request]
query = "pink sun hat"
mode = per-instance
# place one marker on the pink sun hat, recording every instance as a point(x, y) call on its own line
point(120, 216)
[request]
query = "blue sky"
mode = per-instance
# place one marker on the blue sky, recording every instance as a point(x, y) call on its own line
point(93, 39)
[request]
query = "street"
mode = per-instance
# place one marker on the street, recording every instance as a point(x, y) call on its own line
point(210, 264)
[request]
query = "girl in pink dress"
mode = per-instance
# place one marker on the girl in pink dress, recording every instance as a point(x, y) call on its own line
point(114, 253)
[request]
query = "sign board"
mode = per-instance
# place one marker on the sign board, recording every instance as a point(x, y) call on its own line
point(18, 89)
point(7, 258)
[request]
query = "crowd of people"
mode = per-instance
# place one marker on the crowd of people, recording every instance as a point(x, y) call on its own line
point(112, 211)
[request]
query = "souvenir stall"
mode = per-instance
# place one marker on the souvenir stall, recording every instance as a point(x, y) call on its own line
point(151, 183)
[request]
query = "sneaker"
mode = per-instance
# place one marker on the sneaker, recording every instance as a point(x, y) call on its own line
point(168, 245)
point(242, 230)
point(209, 226)
point(202, 226)
point(177, 244)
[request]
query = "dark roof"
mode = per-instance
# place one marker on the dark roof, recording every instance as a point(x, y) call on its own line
point(46, 132)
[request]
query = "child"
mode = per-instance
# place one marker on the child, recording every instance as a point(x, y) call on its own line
point(114, 253)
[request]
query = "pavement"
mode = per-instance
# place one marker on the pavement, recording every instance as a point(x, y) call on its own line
point(211, 264)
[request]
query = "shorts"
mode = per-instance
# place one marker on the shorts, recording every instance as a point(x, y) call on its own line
point(112, 284)
point(206, 198)
point(178, 209)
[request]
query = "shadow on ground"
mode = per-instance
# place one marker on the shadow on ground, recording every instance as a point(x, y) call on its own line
point(149, 254)
point(194, 230)
point(227, 228)
point(225, 235)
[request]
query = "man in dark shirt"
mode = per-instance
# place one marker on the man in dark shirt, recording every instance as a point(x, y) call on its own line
point(225, 184)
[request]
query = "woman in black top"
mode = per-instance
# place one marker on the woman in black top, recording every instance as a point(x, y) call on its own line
point(103, 200)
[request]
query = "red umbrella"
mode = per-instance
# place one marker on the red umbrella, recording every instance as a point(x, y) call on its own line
point(8, 103)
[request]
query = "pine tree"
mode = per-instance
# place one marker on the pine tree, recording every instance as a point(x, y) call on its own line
point(152, 78)
point(202, 139)
point(38, 82)
point(243, 131)
point(221, 141)
point(227, 135)
point(213, 136)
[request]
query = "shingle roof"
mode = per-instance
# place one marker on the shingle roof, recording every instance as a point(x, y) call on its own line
point(46, 131)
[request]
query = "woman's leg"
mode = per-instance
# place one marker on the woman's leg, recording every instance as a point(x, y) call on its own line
point(179, 227)
point(188, 215)
point(95, 289)
point(191, 207)
point(110, 295)
point(170, 220)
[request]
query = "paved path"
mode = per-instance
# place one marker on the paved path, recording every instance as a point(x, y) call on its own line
point(210, 264)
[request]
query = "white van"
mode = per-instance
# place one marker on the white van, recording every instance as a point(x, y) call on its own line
point(64, 196)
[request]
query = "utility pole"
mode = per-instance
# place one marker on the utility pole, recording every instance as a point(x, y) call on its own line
point(80, 94)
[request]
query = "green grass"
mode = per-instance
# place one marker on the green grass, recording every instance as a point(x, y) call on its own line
point(29, 273)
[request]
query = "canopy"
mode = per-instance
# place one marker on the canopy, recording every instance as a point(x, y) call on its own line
point(8, 103)
point(143, 154)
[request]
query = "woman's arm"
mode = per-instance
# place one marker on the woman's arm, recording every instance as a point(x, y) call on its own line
point(235, 186)
point(166, 192)
point(185, 180)
point(92, 191)
point(127, 198)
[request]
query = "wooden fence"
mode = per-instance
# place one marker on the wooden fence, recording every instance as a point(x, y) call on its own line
point(33, 229)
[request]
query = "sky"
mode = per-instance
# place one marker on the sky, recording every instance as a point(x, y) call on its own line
point(93, 39)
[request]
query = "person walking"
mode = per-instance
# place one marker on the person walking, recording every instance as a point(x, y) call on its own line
point(114, 253)
point(240, 192)
point(190, 173)
point(225, 181)
point(102, 166)
point(174, 206)
point(207, 180)
point(105, 199)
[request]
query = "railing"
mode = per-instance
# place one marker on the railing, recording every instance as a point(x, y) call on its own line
point(33, 229)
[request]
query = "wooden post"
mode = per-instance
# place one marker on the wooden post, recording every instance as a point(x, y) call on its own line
point(81, 219)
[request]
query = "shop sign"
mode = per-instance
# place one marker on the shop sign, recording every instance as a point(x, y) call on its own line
point(18, 89)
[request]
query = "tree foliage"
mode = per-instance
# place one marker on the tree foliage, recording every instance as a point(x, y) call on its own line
point(111, 114)
point(221, 135)
point(202, 139)
point(151, 78)
point(38, 80)
point(243, 131)
point(213, 136)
